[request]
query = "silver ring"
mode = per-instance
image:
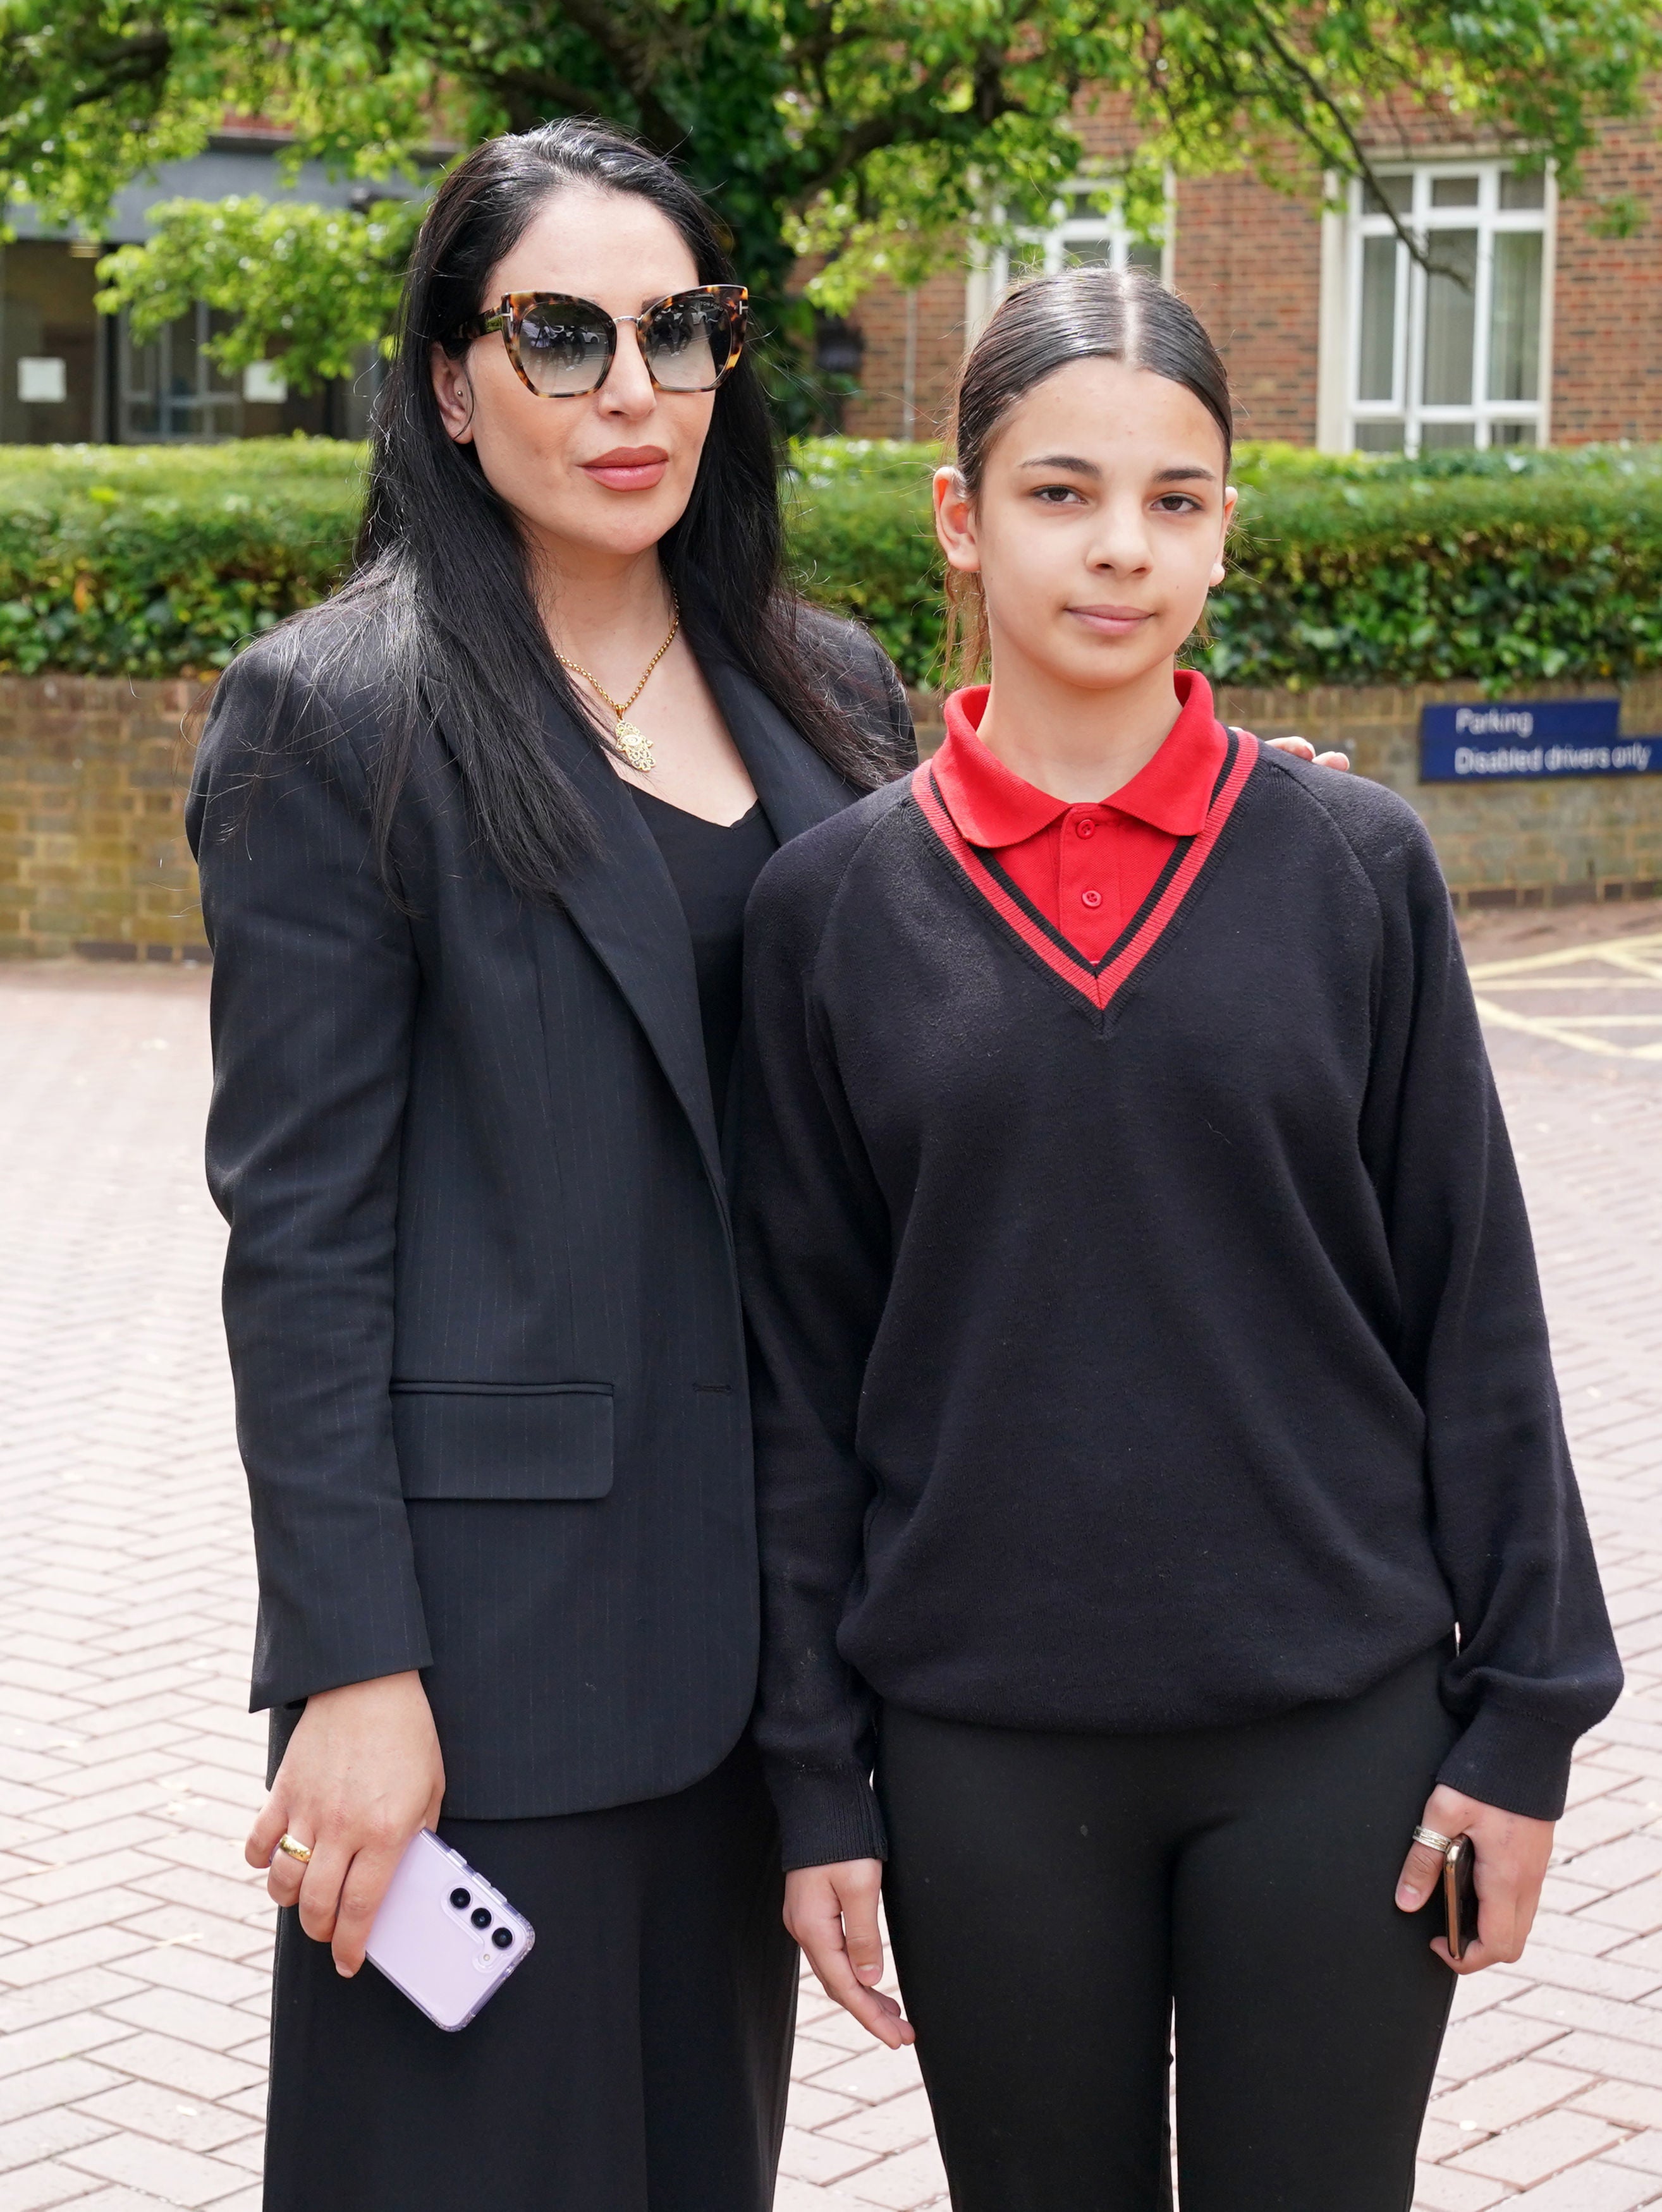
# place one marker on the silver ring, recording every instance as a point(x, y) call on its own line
point(1433, 1841)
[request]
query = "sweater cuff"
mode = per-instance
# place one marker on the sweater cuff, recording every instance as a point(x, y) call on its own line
point(1521, 1765)
point(825, 1818)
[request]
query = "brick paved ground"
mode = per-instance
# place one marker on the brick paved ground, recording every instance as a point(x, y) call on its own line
point(132, 1943)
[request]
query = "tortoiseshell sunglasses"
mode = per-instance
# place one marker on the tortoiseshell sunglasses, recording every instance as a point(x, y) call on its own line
point(563, 347)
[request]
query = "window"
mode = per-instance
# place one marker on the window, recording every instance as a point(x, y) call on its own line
point(171, 390)
point(1451, 356)
point(1081, 237)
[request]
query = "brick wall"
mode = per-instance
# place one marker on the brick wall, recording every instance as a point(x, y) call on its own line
point(93, 857)
point(93, 773)
point(1248, 261)
point(1607, 296)
point(879, 412)
point(1583, 839)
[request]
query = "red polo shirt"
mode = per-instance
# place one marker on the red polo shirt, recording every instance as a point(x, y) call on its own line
point(1087, 869)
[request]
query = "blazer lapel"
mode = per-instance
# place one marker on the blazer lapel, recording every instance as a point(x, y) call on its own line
point(622, 900)
point(796, 786)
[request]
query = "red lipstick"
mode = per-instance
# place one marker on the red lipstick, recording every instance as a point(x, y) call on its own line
point(629, 468)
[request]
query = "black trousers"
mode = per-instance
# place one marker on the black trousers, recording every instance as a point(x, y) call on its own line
point(1052, 1897)
point(637, 2062)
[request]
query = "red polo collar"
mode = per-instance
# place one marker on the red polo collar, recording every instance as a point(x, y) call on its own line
point(993, 807)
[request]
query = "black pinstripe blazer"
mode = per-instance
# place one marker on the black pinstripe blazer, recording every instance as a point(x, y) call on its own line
point(480, 1293)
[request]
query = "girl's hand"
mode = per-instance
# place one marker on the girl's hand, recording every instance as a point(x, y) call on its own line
point(1510, 1853)
point(361, 1774)
point(1301, 749)
point(831, 1910)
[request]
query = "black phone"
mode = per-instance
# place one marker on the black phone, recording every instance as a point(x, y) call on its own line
point(1460, 1896)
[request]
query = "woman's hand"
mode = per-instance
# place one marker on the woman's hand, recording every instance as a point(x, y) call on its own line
point(1301, 749)
point(361, 1774)
point(831, 1910)
point(1509, 1854)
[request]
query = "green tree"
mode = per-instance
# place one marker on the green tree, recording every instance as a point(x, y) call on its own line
point(875, 135)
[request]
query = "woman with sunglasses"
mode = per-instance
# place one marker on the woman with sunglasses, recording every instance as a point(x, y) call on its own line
point(475, 841)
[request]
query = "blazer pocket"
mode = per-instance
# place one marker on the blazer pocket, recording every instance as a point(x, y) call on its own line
point(504, 1440)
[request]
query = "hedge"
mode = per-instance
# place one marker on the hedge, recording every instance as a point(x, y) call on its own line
point(1503, 569)
point(154, 560)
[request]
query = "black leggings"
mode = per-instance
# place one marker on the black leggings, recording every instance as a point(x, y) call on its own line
point(1052, 1897)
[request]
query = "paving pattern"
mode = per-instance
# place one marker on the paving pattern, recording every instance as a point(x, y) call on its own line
point(133, 1942)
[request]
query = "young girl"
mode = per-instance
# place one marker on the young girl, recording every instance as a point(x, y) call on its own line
point(1161, 1478)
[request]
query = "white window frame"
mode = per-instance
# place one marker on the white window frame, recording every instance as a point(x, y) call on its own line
point(1344, 230)
point(989, 278)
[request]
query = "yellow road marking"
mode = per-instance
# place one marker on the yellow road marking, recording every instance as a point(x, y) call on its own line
point(1637, 961)
point(1624, 951)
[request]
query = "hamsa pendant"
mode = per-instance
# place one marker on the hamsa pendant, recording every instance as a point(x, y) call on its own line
point(636, 747)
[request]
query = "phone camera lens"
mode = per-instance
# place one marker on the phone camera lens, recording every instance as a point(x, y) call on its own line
point(503, 1939)
point(480, 1916)
point(461, 1899)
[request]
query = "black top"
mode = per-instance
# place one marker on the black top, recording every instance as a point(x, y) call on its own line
point(713, 866)
point(479, 1293)
point(1152, 1345)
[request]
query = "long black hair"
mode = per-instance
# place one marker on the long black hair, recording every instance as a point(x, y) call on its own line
point(1083, 314)
point(445, 568)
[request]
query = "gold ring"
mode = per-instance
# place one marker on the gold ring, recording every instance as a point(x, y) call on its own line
point(287, 1844)
point(1428, 1837)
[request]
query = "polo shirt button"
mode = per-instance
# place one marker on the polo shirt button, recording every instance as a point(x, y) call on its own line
point(1084, 827)
point(1093, 899)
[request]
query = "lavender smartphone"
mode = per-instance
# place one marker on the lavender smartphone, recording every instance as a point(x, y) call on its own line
point(443, 1936)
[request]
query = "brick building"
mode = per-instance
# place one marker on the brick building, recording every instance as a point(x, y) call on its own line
point(1549, 330)
point(69, 373)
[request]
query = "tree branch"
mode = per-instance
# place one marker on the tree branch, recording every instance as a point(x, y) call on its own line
point(539, 90)
point(1363, 165)
point(907, 123)
point(636, 63)
point(137, 58)
point(120, 63)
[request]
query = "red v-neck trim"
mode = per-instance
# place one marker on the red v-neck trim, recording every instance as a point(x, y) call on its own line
point(1098, 983)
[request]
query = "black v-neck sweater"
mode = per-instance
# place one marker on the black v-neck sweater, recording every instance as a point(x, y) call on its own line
point(1149, 1345)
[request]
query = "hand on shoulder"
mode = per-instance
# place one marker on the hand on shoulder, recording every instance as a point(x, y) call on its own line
point(1301, 749)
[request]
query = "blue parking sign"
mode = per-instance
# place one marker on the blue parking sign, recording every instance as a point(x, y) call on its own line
point(1502, 740)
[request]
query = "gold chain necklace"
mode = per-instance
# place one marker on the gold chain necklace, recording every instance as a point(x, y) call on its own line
point(634, 744)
